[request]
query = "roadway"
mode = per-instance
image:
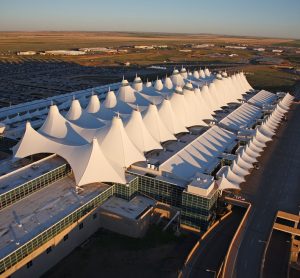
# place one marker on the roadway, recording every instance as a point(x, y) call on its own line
point(275, 186)
point(277, 266)
point(212, 251)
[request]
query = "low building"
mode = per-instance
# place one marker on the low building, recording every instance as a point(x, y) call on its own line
point(204, 45)
point(145, 47)
point(277, 50)
point(98, 49)
point(259, 49)
point(26, 53)
point(65, 52)
point(236, 47)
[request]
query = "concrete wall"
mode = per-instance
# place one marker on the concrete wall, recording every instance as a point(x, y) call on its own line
point(125, 226)
point(60, 248)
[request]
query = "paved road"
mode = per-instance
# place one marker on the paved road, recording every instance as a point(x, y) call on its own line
point(214, 247)
point(274, 187)
point(277, 266)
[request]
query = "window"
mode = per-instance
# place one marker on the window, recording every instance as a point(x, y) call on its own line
point(80, 226)
point(49, 249)
point(66, 237)
point(29, 264)
point(94, 215)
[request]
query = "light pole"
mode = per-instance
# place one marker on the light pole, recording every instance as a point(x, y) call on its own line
point(213, 271)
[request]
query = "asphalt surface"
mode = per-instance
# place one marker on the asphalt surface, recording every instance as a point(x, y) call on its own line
point(213, 248)
point(277, 266)
point(275, 186)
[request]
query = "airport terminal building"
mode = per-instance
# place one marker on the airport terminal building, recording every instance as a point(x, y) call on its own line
point(112, 156)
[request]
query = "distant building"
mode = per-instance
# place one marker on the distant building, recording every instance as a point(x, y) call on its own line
point(185, 50)
point(235, 47)
point(26, 53)
point(277, 50)
point(260, 49)
point(162, 46)
point(65, 52)
point(233, 55)
point(145, 47)
point(98, 49)
point(204, 45)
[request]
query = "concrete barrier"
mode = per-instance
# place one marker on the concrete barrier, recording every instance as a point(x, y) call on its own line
point(189, 261)
point(230, 259)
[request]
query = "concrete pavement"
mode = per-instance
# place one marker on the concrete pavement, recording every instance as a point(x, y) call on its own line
point(275, 186)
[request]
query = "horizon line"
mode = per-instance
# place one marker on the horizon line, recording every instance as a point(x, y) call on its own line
point(146, 32)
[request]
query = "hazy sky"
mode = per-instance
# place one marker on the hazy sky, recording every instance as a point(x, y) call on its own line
point(279, 18)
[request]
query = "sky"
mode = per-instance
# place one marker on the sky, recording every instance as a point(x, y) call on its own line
point(270, 18)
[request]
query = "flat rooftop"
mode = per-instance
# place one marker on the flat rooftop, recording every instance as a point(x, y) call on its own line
point(130, 209)
point(27, 218)
point(27, 173)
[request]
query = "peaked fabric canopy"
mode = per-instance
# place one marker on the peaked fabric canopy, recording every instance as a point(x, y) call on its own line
point(98, 147)
point(139, 134)
point(155, 125)
point(92, 166)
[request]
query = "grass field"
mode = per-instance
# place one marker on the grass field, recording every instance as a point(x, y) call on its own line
point(40, 41)
point(261, 76)
point(270, 78)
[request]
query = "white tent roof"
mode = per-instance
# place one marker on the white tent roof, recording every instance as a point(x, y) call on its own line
point(177, 79)
point(207, 97)
point(172, 122)
point(94, 104)
point(117, 146)
point(81, 118)
point(155, 125)
point(168, 83)
point(224, 183)
point(180, 107)
point(92, 166)
point(58, 128)
point(202, 73)
point(199, 155)
point(137, 84)
point(125, 92)
point(196, 74)
point(183, 73)
point(139, 134)
point(207, 72)
point(202, 105)
point(193, 110)
point(158, 85)
point(110, 100)
point(148, 84)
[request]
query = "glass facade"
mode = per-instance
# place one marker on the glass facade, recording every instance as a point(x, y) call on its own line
point(32, 186)
point(196, 211)
point(127, 191)
point(27, 248)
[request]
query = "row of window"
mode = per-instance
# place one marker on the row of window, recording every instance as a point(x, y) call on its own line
point(65, 238)
point(29, 187)
point(50, 233)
